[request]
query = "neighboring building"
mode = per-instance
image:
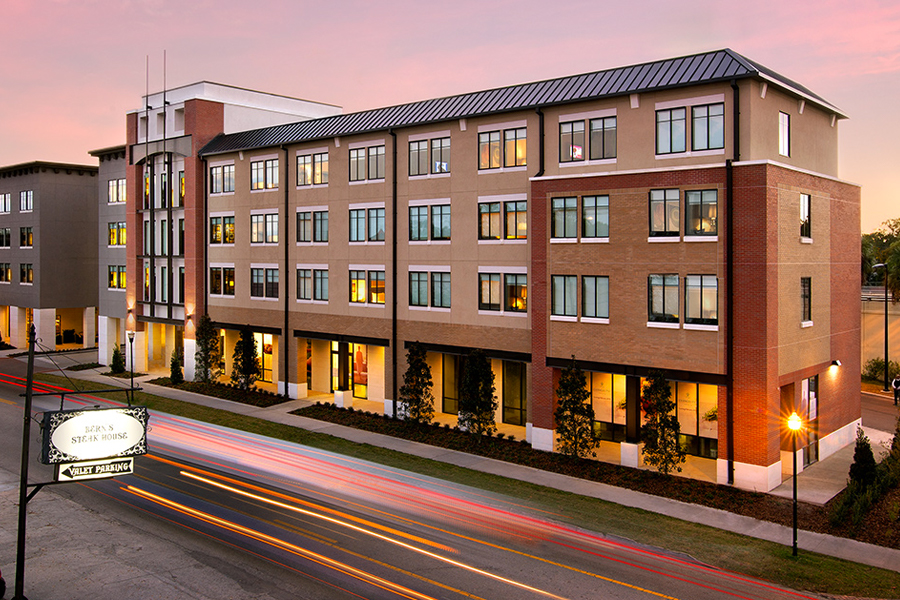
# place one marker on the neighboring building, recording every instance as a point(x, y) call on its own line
point(48, 253)
point(112, 238)
point(683, 215)
point(166, 211)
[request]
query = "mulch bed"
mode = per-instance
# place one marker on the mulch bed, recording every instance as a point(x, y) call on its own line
point(253, 396)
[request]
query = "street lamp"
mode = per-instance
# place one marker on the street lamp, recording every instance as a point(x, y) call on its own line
point(886, 331)
point(131, 342)
point(794, 424)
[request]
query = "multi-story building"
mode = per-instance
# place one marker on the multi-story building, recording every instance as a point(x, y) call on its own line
point(682, 216)
point(48, 253)
point(166, 211)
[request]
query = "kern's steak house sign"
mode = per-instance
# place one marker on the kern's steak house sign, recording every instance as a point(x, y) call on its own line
point(80, 435)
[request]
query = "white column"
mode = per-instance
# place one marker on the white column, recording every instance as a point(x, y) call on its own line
point(45, 327)
point(542, 439)
point(140, 352)
point(18, 336)
point(106, 339)
point(88, 326)
point(190, 364)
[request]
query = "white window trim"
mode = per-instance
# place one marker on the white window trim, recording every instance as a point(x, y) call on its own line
point(517, 270)
point(504, 198)
point(429, 268)
point(594, 240)
point(594, 114)
point(700, 327)
point(571, 240)
point(565, 318)
point(598, 320)
point(805, 324)
point(418, 137)
point(690, 153)
point(662, 239)
point(366, 144)
point(502, 126)
point(663, 325)
point(806, 240)
point(502, 170)
point(311, 151)
point(365, 205)
point(689, 102)
point(701, 238)
point(262, 157)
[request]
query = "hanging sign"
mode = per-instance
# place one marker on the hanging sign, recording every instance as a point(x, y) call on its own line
point(95, 469)
point(81, 435)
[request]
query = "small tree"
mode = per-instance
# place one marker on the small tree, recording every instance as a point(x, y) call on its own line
point(207, 357)
point(574, 414)
point(863, 471)
point(175, 374)
point(245, 361)
point(477, 404)
point(117, 365)
point(417, 401)
point(660, 433)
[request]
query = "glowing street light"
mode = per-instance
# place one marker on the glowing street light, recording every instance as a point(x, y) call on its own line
point(794, 423)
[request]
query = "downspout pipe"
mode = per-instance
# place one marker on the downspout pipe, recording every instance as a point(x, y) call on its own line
point(285, 337)
point(729, 273)
point(394, 364)
point(540, 115)
point(205, 217)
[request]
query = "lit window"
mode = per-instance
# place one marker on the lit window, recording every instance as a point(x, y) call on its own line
point(514, 147)
point(5, 237)
point(516, 214)
point(5, 273)
point(670, 131)
point(358, 287)
point(663, 298)
point(702, 212)
point(26, 273)
point(26, 237)
point(784, 134)
point(805, 223)
point(489, 221)
point(489, 291)
point(701, 299)
point(376, 287)
point(708, 127)
point(571, 141)
point(489, 150)
point(304, 169)
point(516, 296)
point(664, 212)
point(215, 281)
point(215, 230)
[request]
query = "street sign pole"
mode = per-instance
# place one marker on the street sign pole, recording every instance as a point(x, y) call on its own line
point(23, 473)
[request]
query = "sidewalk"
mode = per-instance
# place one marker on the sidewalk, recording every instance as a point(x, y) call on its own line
point(817, 483)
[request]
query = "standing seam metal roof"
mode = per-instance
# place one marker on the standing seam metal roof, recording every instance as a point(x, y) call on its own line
point(718, 65)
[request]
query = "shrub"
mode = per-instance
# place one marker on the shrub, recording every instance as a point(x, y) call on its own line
point(574, 414)
point(660, 433)
point(416, 399)
point(863, 469)
point(245, 361)
point(874, 369)
point(117, 365)
point(175, 373)
point(477, 403)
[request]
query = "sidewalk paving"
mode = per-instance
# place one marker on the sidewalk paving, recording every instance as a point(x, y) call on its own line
point(817, 483)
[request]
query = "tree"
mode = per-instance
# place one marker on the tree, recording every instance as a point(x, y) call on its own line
point(416, 399)
point(574, 414)
point(477, 404)
point(117, 365)
point(245, 360)
point(660, 433)
point(208, 356)
point(175, 373)
point(863, 471)
point(883, 246)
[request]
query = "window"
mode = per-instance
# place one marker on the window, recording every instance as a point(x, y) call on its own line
point(181, 188)
point(304, 170)
point(595, 297)
point(26, 201)
point(116, 233)
point(304, 226)
point(26, 237)
point(357, 164)
point(514, 398)
point(516, 214)
point(376, 224)
point(320, 226)
point(708, 127)
point(440, 290)
point(784, 134)
point(5, 202)
point(215, 230)
point(163, 189)
point(563, 292)
point(163, 285)
point(357, 225)
point(228, 281)
point(489, 221)
point(670, 130)
point(312, 169)
point(418, 288)
point(358, 287)
point(701, 300)
point(215, 281)
point(320, 285)
point(603, 138)
point(663, 298)
point(514, 148)
point(263, 283)
point(264, 174)
point(115, 192)
point(367, 163)
point(264, 229)
point(702, 211)
point(26, 273)
point(376, 162)
point(564, 217)
point(440, 155)
point(595, 217)
point(271, 283)
point(418, 223)
point(5, 273)
point(805, 223)
point(181, 236)
point(163, 233)
point(116, 277)
point(221, 180)
point(5, 237)
point(376, 287)
point(489, 291)
point(418, 158)
point(806, 299)
point(664, 212)
point(440, 222)
point(571, 141)
point(304, 284)
point(516, 296)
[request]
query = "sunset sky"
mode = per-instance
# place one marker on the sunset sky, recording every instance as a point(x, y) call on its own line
point(71, 69)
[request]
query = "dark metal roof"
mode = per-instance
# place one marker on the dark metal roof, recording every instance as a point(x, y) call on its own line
point(708, 67)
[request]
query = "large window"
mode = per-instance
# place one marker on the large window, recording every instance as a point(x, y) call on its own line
point(489, 150)
point(418, 158)
point(304, 284)
point(221, 179)
point(312, 169)
point(784, 134)
point(516, 296)
point(376, 162)
point(440, 155)
point(117, 233)
point(358, 225)
point(5, 237)
point(115, 193)
point(115, 277)
point(440, 222)
point(376, 287)
point(26, 273)
point(26, 201)
point(514, 147)
point(708, 127)
point(304, 226)
point(564, 295)
point(489, 221)
point(806, 299)
point(263, 283)
point(440, 290)
point(564, 217)
point(664, 212)
point(489, 291)
point(571, 141)
point(264, 174)
point(511, 153)
point(516, 217)
point(805, 223)
point(702, 211)
point(264, 229)
point(670, 131)
point(418, 288)
point(376, 225)
point(595, 217)
point(26, 237)
point(663, 298)
point(320, 226)
point(608, 399)
point(514, 398)
point(357, 164)
point(367, 287)
point(320, 285)
point(595, 297)
point(701, 299)
point(367, 163)
point(418, 223)
point(603, 138)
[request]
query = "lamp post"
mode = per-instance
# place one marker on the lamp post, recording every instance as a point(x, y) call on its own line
point(794, 424)
point(886, 329)
point(131, 370)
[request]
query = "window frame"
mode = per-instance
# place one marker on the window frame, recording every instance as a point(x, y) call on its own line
point(698, 212)
point(665, 283)
point(442, 150)
point(806, 300)
point(304, 226)
point(604, 137)
point(320, 226)
point(668, 219)
point(418, 158)
point(666, 120)
point(440, 222)
point(490, 302)
point(707, 283)
point(485, 217)
point(708, 120)
point(418, 288)
point(304, 284)
point(419, 225)
point(564, 217)
point(320, 285)
point(517, 209)
point(806, 216)
point(600, 208)
point(356, 221)
point(375, 224)
point(784, 134)
point(515, 287)
point(564, 306)
point(593, 282)
point(440, 280)
point(569, 135)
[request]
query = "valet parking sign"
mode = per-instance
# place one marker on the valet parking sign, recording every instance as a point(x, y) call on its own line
point(96, 443)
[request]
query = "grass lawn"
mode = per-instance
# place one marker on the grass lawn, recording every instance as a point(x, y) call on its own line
point(722, 549)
